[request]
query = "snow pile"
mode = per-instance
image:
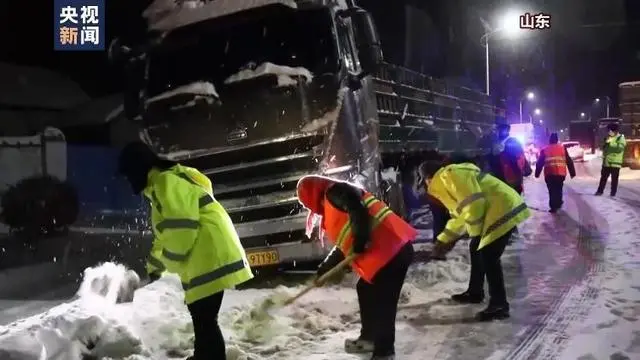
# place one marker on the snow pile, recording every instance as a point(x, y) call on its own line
point(200, 89)
point(86, 327)
point(287, 76)
point(109, 282)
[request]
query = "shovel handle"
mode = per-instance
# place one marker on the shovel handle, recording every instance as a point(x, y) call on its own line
point(323, 279)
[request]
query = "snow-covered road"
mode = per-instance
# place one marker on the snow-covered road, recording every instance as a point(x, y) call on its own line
point(573, 279)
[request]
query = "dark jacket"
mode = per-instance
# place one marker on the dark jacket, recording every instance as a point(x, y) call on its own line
point(348, 199)
point(569, 161)
point(513, 151)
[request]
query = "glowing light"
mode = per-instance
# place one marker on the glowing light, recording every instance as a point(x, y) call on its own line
point(531, 96)
point(509, 23)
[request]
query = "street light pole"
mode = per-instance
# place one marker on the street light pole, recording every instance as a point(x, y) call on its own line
point(486, 54)
point(521, 99)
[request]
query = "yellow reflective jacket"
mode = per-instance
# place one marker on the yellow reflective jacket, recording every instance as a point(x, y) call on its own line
point(194, 235)
point(480, 204)
point(614, 151)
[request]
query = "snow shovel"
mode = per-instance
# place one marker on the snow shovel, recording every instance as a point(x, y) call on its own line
point(322, 279)
point(262, 311)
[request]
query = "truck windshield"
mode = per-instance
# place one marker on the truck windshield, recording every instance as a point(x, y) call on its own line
point(216, 49)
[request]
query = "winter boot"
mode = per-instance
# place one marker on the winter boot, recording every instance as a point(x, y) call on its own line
point(358, 346)
point(383, 357)
point(467, 298)
point(598, 193)
point(493, 312)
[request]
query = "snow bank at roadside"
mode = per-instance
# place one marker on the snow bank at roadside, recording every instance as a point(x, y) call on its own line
point(157, 325)
point(594, 166)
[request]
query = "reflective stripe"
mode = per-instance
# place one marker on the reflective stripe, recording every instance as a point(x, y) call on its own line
point(186, 177)
point(156, 202)
point(369, 201)
point(214, 275)
point(174, 256)
point(377, 219)
point(505, 218)
point(468, 200)
point(205, 200)
point(155, 263)
point(177, 224)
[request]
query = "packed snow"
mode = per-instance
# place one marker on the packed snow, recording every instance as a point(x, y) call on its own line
point(287, 76)
point(198, 88)
point(573, 279)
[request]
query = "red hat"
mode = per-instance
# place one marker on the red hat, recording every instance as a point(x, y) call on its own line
point(311, 190)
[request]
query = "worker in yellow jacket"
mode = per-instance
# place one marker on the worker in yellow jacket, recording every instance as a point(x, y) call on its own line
point(487, 210)
point(194, 238)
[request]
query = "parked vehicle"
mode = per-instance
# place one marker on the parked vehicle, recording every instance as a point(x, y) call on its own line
point(576, 152)
point(255, 118)
point(584, 133)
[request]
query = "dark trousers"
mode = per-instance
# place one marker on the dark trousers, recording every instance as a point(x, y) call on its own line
point(554, 185)
point(604, 176)
point(379, 302)
point(440, 216)
point(486, 261)
point(209, 342)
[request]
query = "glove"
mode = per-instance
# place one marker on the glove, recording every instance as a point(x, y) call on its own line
point(440, 249)
point(153, 277)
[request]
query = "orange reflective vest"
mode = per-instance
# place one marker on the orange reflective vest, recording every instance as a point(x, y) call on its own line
point(555, 162)
point(390, 233)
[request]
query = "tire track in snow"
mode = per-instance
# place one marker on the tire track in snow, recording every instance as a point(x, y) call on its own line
point(571, 302)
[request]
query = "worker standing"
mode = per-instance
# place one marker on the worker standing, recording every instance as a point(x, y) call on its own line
point(555, 160)
point(507, 161)
point(612, 156)
point(194, 238)
point(487, 210)
point(355, 222)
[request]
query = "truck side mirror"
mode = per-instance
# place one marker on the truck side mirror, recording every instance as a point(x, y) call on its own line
point(367, 40)
point(117, 52)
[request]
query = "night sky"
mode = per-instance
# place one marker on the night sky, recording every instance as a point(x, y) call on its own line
point(592, 46)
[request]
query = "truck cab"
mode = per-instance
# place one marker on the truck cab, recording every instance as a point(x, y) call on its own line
point(231, 88)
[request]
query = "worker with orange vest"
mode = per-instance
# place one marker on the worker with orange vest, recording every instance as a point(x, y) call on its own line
point(555, 160)
point(355, 222)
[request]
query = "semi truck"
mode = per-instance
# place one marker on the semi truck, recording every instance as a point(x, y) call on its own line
point(234, 89)
point(629, 95)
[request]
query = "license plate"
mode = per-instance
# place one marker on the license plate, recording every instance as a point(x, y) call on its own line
point(263, 258)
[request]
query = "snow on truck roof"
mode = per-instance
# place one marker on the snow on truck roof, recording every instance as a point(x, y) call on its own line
point(629, 83)
point(165, 15)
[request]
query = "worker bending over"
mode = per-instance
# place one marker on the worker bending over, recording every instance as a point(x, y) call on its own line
point(355, 222)
point(486, 209)
point(194, 238)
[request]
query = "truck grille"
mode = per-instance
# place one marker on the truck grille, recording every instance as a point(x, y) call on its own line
point(256, 185)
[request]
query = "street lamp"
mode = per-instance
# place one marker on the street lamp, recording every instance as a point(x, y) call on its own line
point(582, 115)
point(597, 101)
point(509, 24)
point(529, 96)
point(538, 111)
point(541, 122)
